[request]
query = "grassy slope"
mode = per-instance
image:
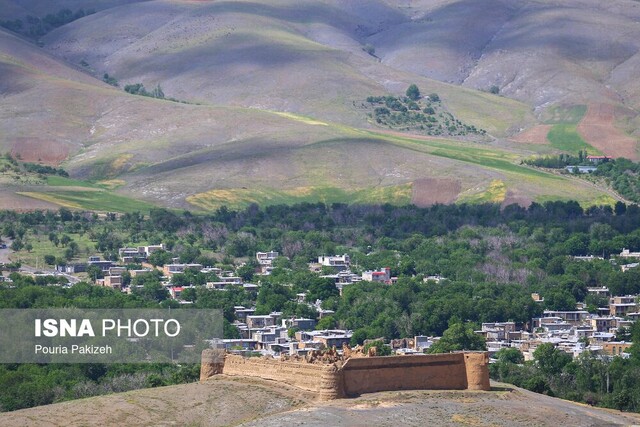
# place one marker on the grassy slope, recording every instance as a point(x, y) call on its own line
point(564, 134)
point(471, 163)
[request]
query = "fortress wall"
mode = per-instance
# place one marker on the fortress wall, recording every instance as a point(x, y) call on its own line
point(304, 375)
point(454, 371)
point(422, 372)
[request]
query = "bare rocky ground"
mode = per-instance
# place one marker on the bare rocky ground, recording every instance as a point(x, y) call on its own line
point(249, 402)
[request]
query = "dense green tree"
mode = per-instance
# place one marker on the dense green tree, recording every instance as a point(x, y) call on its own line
point(550, 359)
point(509, 355)
point(95, 272)
point(458, 337)
point(413, 92)
point(160, 258)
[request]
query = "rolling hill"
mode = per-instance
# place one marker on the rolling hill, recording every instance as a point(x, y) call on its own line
point(272, 93)
point(251, 402)
point(19, 9)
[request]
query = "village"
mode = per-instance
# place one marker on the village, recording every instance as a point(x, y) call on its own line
point(605, 333)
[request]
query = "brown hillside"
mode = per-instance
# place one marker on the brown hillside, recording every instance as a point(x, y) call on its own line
point(597, 128)
point(234, 401)
point(534, 135)
point(302, 57)
point(308, 58)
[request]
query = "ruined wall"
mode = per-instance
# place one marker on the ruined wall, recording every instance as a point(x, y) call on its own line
point(326, 380)
point(212, 363)
point(456, 371)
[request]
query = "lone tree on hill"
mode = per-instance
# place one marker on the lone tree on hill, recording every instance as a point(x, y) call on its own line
point(413, 92)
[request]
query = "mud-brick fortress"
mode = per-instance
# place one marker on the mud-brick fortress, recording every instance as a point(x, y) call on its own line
point(334, 378)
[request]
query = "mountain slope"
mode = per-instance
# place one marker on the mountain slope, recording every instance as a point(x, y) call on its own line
point(19, 9)
point(568, 51)
point(302, 57)
point(274, 108)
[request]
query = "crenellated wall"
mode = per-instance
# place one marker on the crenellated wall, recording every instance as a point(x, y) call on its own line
point(454, 371)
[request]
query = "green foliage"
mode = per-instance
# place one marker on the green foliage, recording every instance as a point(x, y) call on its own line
point(413, 93)
point(36, 27)
point(509, 355)
point(458, 337)
point(272, 297)
point(358, 337)
point(370, 49)
point(411, 113)
point(493, 260)
point(27, 385)
point(110, 80)
point(622, 174)
point(560, 161)
point(94, 272)
point(327, 322)
point(159, 258)
point(148, 287)
point(559, 300)
point(550, 359)
point(139, 89)
point(624, 177)
point(494, 90)
point(136, 89)
point(381, 348)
